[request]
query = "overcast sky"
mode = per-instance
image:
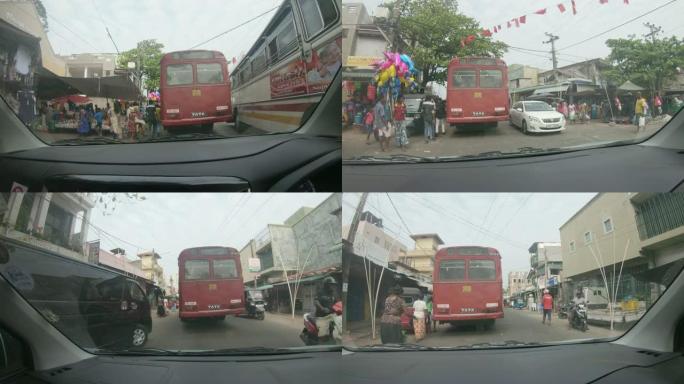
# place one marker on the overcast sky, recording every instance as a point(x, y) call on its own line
point(508, 222)
point(172, 222)
point(592, 18)
point(77, 26)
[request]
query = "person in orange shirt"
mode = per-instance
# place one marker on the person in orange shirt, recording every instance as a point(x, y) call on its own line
point(547, 302)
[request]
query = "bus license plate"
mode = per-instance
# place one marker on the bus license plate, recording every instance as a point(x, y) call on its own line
point(212, 287)
point(467, 288)
point(197, 92)
point(477, 95)
point(214, 306)
point(198, 114)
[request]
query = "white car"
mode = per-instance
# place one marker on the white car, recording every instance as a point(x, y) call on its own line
point(536, 116)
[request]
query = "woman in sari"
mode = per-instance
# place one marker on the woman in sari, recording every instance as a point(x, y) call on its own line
point(390, 322)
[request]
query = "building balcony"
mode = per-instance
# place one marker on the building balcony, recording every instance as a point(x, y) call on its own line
point(658, 213)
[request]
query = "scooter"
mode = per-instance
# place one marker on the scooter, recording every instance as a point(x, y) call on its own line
point(312, 335)
point(579, 318)
point(256, 309)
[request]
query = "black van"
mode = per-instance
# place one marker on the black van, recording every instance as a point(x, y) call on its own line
point(93, 306)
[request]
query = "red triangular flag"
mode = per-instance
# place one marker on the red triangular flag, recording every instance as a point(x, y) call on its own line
point(500, 27)
point(603, 1)
point(522, 19)
point(541, 11)
point(626, 2)
point(517, 23)
point(509, 24)
point(561, 7)
point(495, 30)
point(486, 32)
point(574, 8)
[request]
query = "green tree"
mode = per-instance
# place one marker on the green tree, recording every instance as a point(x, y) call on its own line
point(650, 63)
point(431, 32)
point(146, 56)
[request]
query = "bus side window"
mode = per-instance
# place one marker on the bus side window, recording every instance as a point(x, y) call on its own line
point(317, 15)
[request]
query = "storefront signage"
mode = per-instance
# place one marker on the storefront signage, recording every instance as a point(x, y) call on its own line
point(361, 61)
point(254, 264)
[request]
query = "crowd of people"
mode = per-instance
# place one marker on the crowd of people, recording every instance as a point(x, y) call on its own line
point(387, 121)
point(122, 120)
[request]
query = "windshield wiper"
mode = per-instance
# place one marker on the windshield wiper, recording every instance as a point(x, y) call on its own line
point(418, 347)
point(397, 158)
point(96, 140)
point(134, 351)
point(247, 351)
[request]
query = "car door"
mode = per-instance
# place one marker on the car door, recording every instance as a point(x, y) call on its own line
point(515, 114)
point(107, 326)
point(138, 311)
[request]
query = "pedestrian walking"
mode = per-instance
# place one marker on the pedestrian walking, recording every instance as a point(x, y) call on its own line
point(400, 123)
point(640, 108)
point(390, 322)
point(440, 117)
point(431, 325)
point(381, 124)
point(427, 110)
point(658, 103)
point(368, 124)
point(419, 309)
point(572, 113)
point(547, 303)
point(99, 117)
point(83, 125)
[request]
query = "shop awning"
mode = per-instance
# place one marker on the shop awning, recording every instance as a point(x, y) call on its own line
point(261, 288)
point(664, 274)
point(554, 89)
point(51, 86)
point(302, 280)
point(628, 86)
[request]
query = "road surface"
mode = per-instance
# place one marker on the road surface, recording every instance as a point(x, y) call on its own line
point(275, 331)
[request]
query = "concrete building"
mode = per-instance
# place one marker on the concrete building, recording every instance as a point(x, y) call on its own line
point(517, 282)
point(58, 222)
point(299, 253)
point(23, 15)
point(116, 259)
point(149, 263)
point(422, 257)
point(546, 263)
point(90, 65)
point(374, 242)
point(521, 76)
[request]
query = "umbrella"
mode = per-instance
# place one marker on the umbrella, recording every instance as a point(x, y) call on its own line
point(76, 99)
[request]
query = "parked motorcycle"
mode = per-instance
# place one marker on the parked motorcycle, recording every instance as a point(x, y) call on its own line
point(323, 330)
point(578, 320)
point(563, 311)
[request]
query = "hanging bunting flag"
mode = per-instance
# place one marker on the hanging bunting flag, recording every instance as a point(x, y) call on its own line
point(626, 2)
point(574, 8)
point(517, 23)
point(603, 1)
point(486, 32)
point(541, 11)
point(496, 30)
point(499, 27)
point(522, 19)
point(509, 24)
point(561, 7)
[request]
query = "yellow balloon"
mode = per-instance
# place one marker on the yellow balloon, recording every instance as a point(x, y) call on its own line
point(392, 71)
point(381, 83)
point(384, 76)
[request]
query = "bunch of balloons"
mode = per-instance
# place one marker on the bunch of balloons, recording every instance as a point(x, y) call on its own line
point(153, 95)
point(394, 72)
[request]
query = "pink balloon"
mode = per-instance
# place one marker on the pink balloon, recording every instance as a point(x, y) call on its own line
point(385, 65)
point(389, 55)
point(397, 60)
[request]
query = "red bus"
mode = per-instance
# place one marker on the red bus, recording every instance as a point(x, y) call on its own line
point(195, 89)
point(467, 285)
point(210, 283)
point(477, 91)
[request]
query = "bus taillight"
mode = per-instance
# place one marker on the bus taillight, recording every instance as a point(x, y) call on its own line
point(457, 111)
point(500, 110)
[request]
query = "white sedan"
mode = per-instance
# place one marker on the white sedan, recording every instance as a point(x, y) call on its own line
point(536, 116)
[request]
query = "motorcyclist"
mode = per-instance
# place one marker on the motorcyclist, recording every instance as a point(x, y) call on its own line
point(324, 301)
point(577, 300)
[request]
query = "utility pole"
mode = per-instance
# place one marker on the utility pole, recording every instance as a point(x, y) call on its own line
point(552, 41)
point(346, 262)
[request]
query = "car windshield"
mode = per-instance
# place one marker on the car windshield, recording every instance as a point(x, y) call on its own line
point(506, 269)
point(612, 70)
point(167, 273)
point(538, 107)
point(139, 74)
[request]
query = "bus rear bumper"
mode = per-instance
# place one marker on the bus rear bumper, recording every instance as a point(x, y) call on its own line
point(211, 313)
point(476, 120)
point(467, 316)
point(197, 121)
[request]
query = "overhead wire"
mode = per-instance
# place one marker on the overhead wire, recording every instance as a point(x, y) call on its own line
point(236, 27)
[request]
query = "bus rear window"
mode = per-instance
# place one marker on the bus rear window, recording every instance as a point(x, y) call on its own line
point(225, 269)
point(179, 74)
point(491, 78)
point(452, 270)
point(464, 78)
point(215, 251)
point(211, 73)
point(481, 270)
point(197, 270)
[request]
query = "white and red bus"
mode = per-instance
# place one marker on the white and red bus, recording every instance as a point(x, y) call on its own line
point(195, 89)
point(477, 91)
point(467, 285)
point(278, 84)
point(210, 283)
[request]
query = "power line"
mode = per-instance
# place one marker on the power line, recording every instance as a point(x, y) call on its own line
point(236, 27)
point(618, 26)
point(76, 34)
